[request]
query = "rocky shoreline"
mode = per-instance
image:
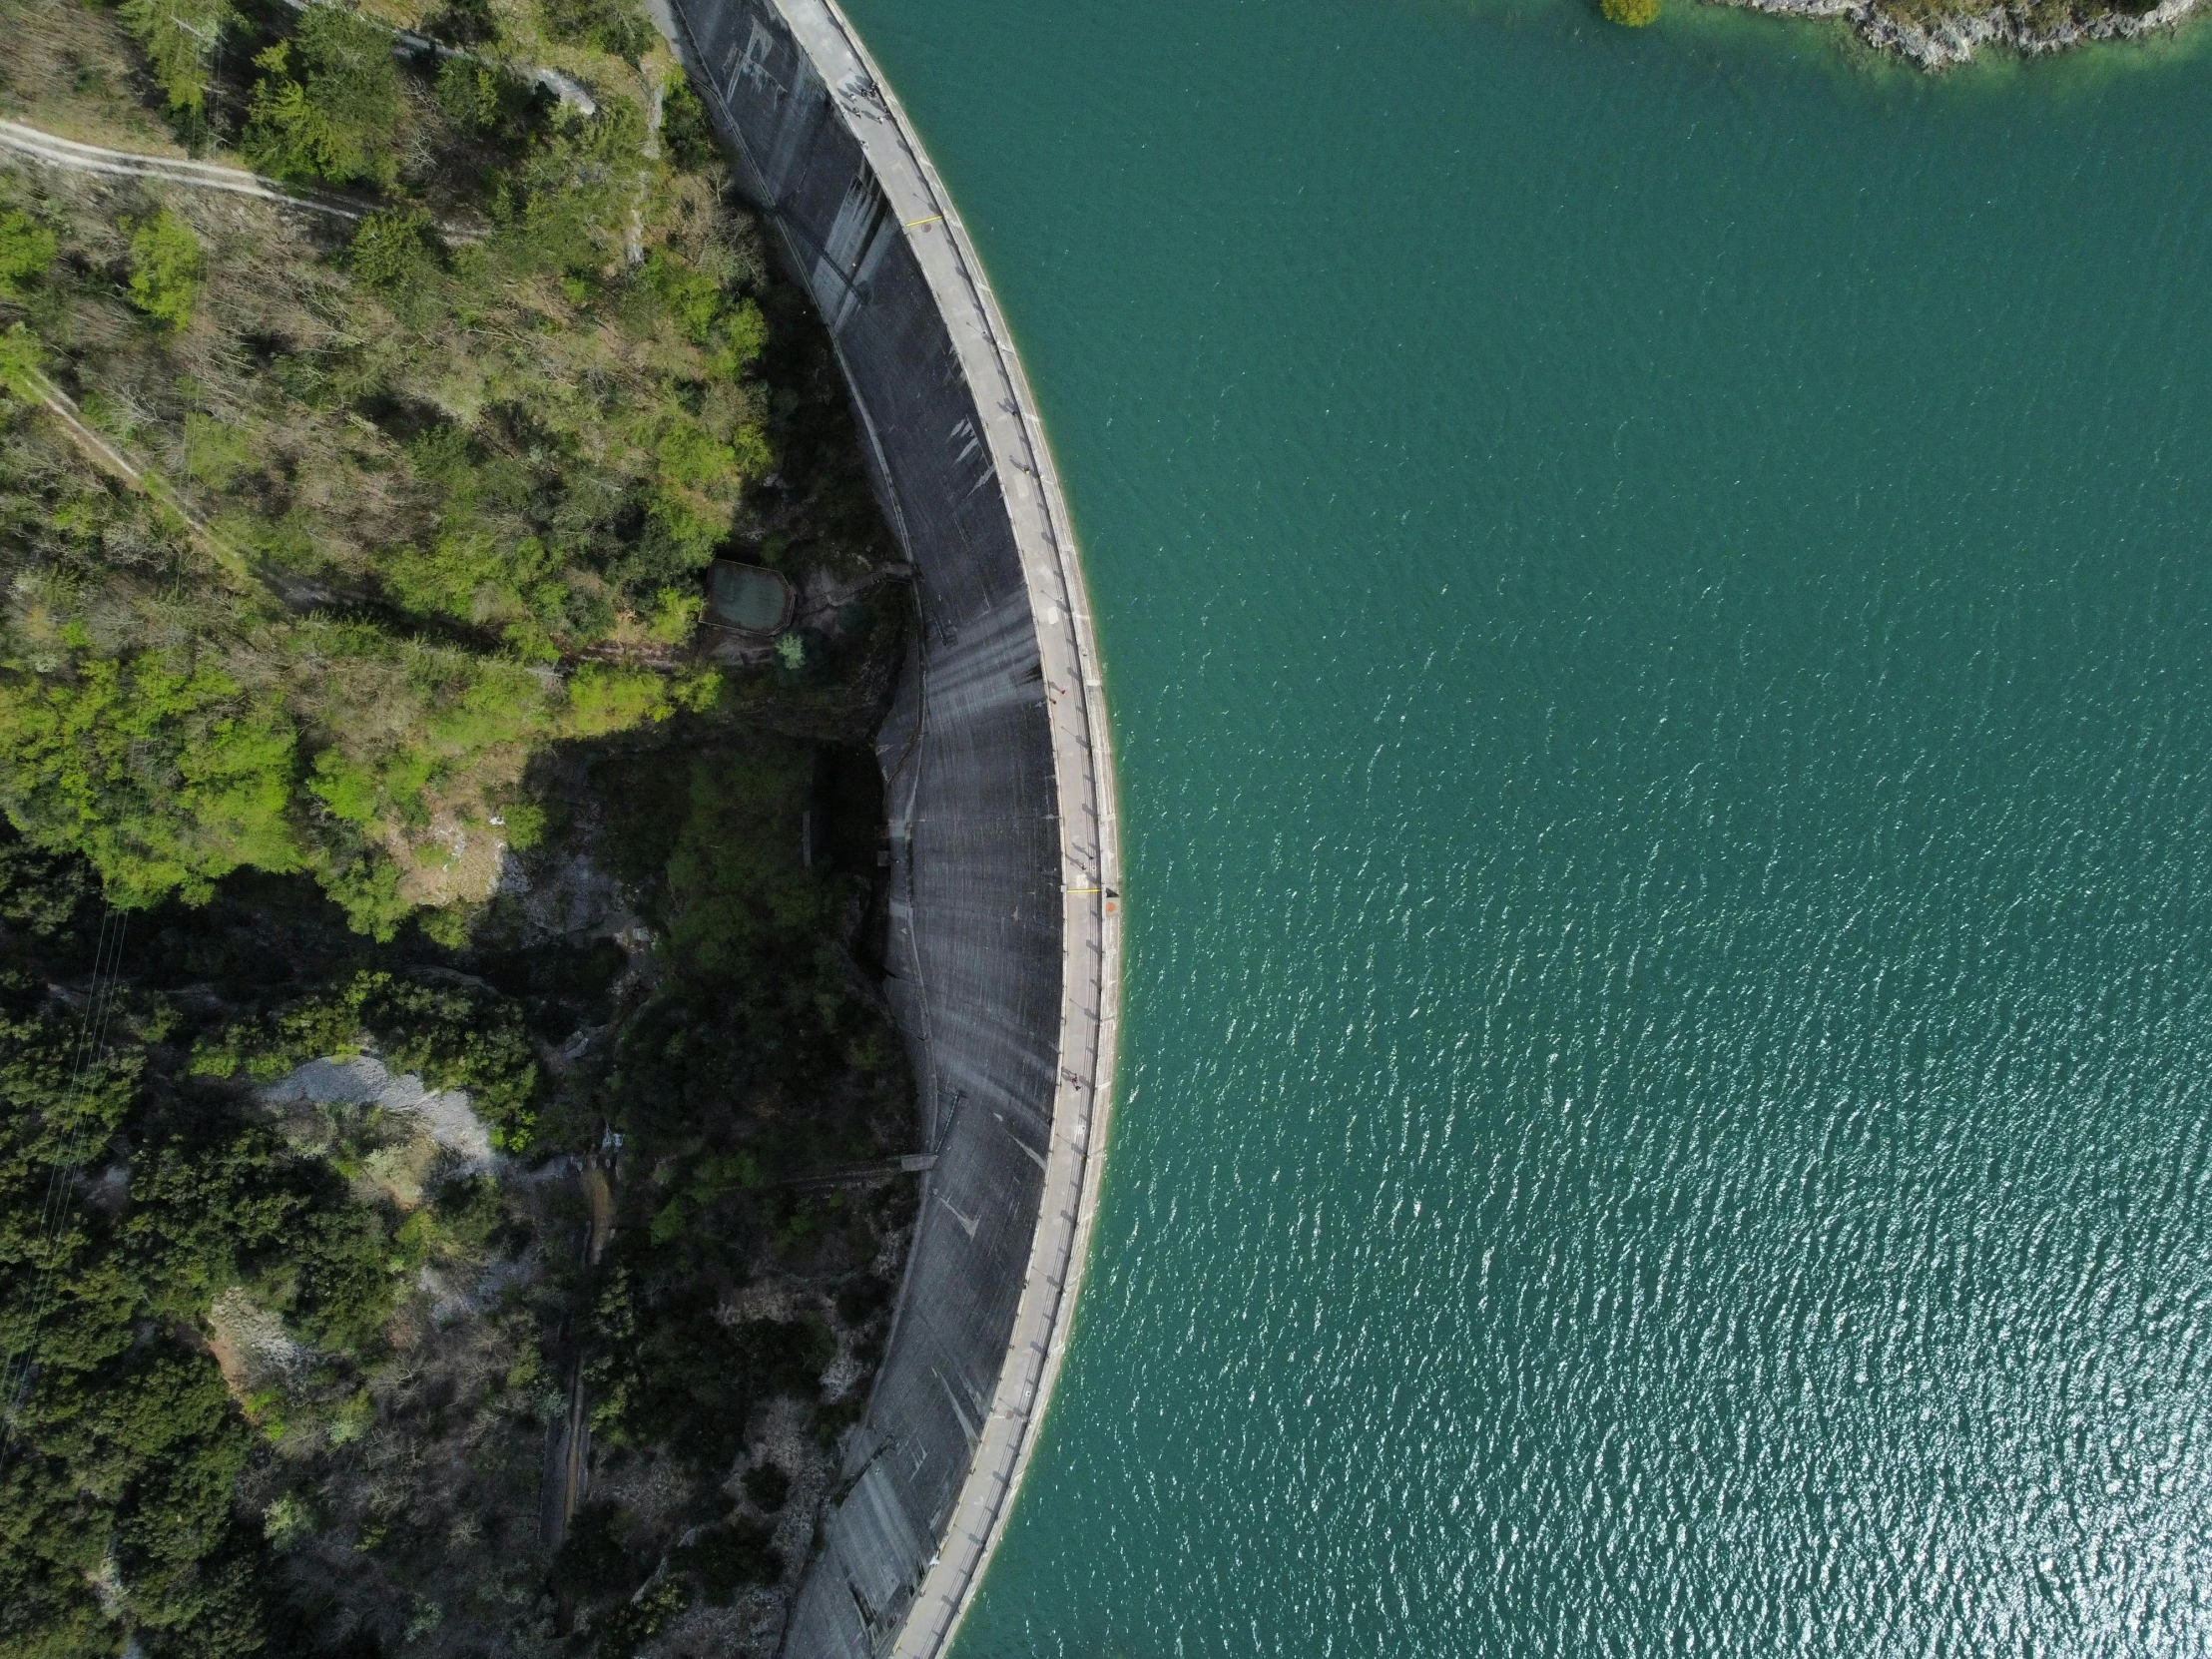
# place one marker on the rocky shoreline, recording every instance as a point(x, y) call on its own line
point(1945, 42)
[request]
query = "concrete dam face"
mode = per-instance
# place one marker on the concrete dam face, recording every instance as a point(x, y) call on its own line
point(1005, 929)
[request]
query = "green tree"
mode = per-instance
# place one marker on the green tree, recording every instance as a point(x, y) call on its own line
point(1632, 14)
point(334, 116)
point(391, 249)
point(460, 1038)
point(216, 453)
point(740, 334)
point(482, 98)
point(743, 894)
point(568, 201)
point(117, 1495)
point(347, 1282)
point(166, 774)
point(204, 1207)
point(180, 38)
point(166, 271)
point(40, 891)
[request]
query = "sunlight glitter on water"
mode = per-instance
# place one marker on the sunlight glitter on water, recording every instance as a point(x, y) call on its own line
point(1656, 601)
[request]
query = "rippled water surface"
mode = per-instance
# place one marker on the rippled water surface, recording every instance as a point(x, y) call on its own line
point(1659, 612)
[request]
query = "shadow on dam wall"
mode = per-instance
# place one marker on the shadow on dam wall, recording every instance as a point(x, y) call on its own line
point(1003, 979)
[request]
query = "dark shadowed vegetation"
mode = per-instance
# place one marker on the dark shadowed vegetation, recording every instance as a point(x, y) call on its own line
point(395, 876)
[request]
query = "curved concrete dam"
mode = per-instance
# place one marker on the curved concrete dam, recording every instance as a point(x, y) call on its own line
point(1005, 933)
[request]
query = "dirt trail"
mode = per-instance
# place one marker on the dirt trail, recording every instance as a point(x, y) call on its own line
point(599, 1194)
point(108, 457)
point(44, 147)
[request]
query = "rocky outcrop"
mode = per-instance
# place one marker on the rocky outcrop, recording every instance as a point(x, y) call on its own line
point(1945, 40)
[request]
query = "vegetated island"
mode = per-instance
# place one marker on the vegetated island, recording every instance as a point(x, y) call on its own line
point(1941, 34)
point(449, 1126)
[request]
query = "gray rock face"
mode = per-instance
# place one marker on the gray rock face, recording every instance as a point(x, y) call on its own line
point(363, 1079)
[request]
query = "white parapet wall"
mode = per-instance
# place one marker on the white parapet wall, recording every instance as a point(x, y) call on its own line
point(1005, 965)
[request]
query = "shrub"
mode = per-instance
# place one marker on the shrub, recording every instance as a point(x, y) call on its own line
point(734, 335)
point(685, 132)
point(691, 459)
point(602, 700)
point(1632, 14)
point(215, 453)
point(616, 27)
point(525, 825)
point(633, 1623)
point(592, 1560)
point(690, 292)
point(19, 360)
point(166, 271)
point(726, 1559)
point(27, 252)
point(741, 332)
point(768, 1486)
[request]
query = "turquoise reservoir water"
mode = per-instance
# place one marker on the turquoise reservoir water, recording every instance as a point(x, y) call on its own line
point(1659, 613)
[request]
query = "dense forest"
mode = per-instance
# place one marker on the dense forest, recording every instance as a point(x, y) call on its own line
point(444, 1096)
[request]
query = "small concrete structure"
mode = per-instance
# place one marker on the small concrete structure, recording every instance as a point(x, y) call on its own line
point(1005, 948)
point(748, 599)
